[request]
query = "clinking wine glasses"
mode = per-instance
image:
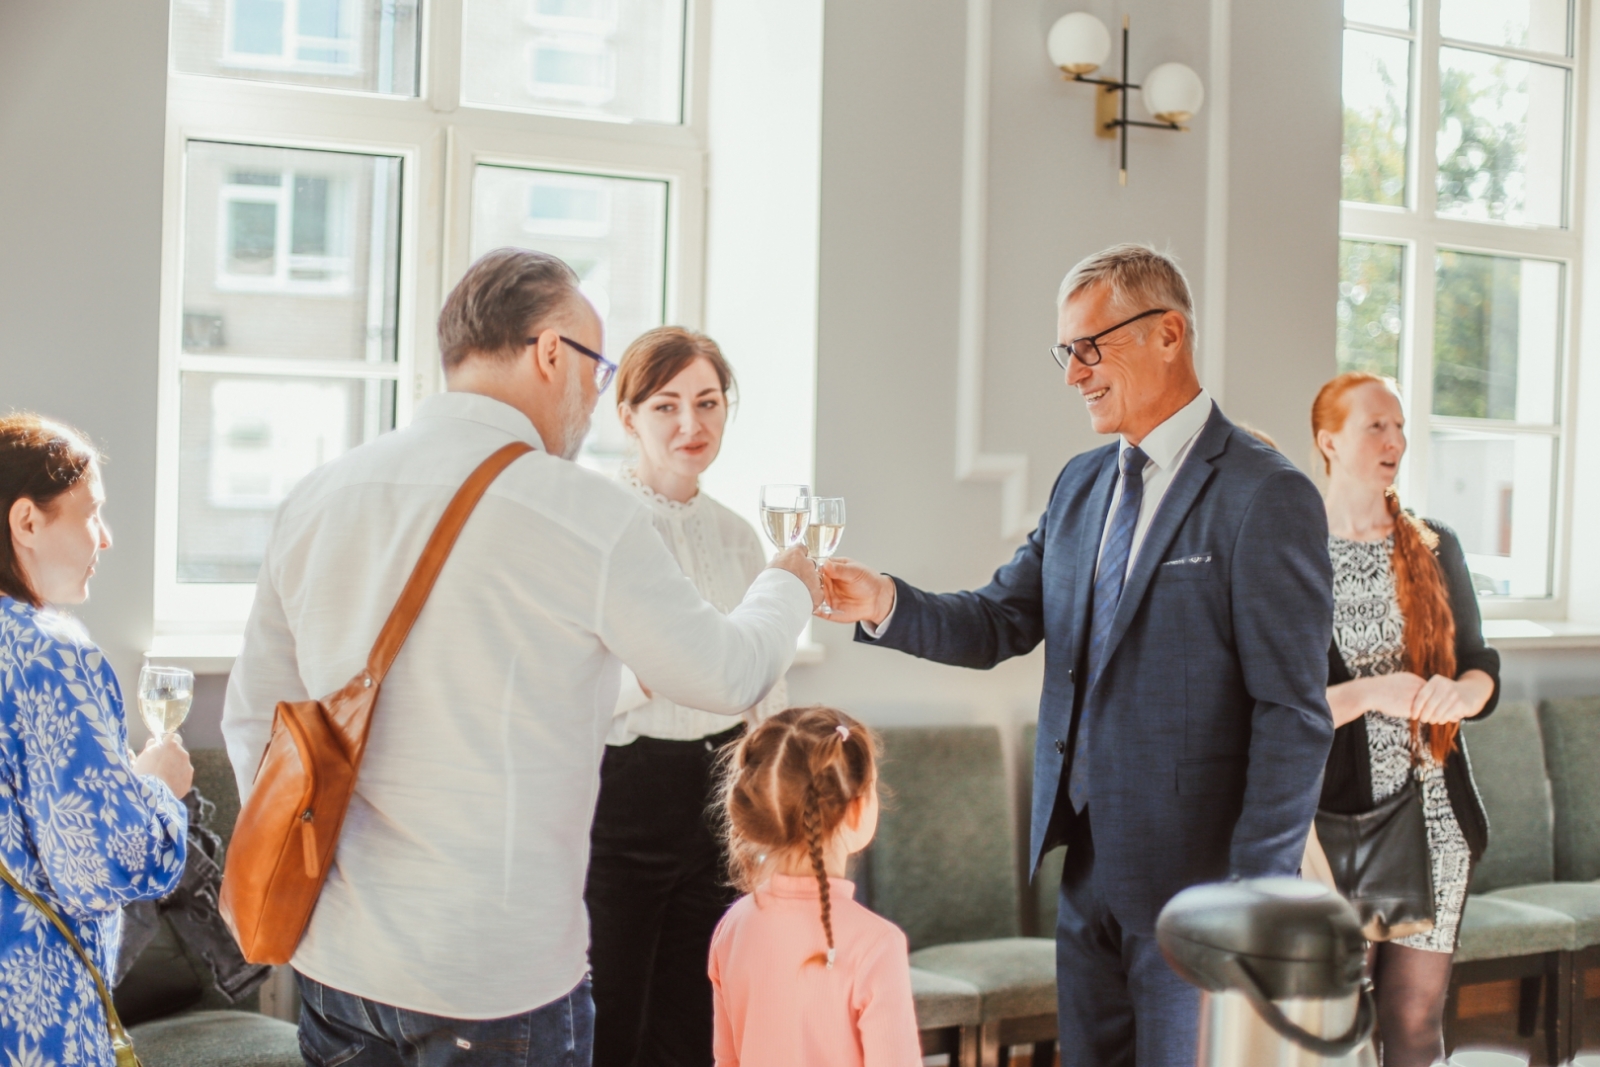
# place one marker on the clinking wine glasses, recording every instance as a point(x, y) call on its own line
point(824, 530)
point(784, 514)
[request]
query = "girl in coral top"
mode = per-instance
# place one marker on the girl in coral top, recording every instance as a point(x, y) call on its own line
point(803, 974)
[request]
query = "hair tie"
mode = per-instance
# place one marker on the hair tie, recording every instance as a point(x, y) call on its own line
point(831, 952)
point(844, 732)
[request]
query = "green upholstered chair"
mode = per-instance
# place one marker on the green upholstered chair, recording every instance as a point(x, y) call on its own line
point(1572, 753)
point(944, 868)
point(949, 1012)
point(190, 1023)
point(1507, 930)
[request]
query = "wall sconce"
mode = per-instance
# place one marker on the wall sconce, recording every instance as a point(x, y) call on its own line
point(1171, 93)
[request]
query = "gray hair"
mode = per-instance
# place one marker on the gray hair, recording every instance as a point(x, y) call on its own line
point(501, 298)
point(1140, 278)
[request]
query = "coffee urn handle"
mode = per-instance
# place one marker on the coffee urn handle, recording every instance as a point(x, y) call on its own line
point(1240, 978)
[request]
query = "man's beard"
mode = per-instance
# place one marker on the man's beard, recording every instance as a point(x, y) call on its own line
point(574, 418)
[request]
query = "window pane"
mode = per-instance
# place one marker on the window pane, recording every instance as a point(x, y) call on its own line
point(612, 231)
point(1497, 337)
point(1369, 307)
point(366, 45)
point(243, 444)
point(1377, 76)
point(1395, 13)
point(1496, 490)
point(613, 59)
point(1538, 25)
point(290, 254)
point(1502, 139)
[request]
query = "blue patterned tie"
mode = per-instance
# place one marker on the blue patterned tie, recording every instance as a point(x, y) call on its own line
point(1108, 579)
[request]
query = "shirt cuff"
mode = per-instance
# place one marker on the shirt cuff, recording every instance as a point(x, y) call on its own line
point(875, 632)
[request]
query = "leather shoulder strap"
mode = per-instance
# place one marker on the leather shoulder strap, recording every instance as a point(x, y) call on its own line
point(434, 553)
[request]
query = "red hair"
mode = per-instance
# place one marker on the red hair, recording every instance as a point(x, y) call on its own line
point(1430, 626)
point(786, 787)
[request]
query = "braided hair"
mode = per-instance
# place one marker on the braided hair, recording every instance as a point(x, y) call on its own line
point(786, 788)
point(1430, 627)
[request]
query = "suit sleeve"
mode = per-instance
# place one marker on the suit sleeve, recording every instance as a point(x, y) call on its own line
point(1283, 625)
point(978, 628)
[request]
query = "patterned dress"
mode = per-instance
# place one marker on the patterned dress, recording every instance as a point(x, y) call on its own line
point(78, 827)
point(1370, 633)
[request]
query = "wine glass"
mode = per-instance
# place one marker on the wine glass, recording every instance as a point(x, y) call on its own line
point(165, 694)
point(824, 529)
point(784, 514)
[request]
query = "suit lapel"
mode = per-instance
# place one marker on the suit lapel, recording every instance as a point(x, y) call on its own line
point(1175, 504)
point(1091, 530)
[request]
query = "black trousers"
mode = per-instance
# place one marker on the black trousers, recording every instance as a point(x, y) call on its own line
point(656, 891)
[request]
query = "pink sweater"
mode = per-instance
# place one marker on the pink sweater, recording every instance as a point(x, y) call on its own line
point(775, 1010)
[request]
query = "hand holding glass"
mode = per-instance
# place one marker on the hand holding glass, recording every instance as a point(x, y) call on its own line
point(165, 694)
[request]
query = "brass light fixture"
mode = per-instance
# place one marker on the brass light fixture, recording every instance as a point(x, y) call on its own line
point(1171, 93)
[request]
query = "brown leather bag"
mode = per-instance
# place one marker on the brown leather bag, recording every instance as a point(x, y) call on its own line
point(284, 841)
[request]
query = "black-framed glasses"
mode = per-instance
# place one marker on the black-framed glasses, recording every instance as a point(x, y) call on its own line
point(604, 369)
point(1087, 349)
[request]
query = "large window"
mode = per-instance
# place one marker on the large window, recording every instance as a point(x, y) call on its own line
point(333, 166)
point(1459, 263)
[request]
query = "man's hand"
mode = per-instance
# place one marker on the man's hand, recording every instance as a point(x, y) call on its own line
point(796, 562)
point(857, 593)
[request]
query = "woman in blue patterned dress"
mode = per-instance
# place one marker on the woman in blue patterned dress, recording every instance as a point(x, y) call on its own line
point(83, 823)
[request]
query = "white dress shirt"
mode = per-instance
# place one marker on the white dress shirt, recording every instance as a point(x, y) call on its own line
point(722, 555)
point(457, 888)
point(1168, 445)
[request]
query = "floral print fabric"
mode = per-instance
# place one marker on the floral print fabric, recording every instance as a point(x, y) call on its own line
point(78, 827)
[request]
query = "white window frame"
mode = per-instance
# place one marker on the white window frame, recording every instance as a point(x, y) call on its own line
point(439, 141)
point(289, 59)
point(1421, 233)
point(281, 280)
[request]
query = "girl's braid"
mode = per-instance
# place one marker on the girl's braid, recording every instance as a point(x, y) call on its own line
point(812, 819)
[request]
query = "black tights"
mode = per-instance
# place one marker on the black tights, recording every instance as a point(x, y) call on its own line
point(1411, 985)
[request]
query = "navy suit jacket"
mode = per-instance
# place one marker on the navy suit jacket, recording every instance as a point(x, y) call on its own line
point(1209, 722)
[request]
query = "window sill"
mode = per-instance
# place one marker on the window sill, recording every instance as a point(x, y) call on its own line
point(1516, 635)
point(215, 653)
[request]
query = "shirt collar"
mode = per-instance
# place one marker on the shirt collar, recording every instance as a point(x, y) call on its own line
point(475, 407)
point(1166, 442)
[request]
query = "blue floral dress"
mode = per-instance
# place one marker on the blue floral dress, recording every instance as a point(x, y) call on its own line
point(78, 827)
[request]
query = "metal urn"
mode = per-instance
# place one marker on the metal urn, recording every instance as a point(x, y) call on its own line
point(1280, 962)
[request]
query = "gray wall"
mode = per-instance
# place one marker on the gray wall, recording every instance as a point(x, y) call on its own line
point(83, 89)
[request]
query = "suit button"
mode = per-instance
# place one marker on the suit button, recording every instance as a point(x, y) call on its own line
point(1061, 748)
point(1072, 674)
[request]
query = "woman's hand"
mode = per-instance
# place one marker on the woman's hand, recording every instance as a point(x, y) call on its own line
point(856, 593)
point(1388, 694)
point(1442, 700)
point(169, 761)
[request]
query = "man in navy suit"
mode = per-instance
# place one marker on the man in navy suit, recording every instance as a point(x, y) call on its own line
point(1181, 584)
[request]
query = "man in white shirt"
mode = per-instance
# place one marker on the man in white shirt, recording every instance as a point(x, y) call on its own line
point(1181, 584)
point(452, 923)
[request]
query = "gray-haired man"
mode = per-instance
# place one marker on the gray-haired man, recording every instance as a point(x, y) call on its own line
point(452, 924)
point(1181, 584)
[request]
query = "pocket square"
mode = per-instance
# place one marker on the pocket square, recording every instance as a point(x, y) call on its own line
point(1204, 557)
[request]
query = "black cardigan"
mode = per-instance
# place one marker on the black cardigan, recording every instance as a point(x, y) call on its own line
point(1347, 781)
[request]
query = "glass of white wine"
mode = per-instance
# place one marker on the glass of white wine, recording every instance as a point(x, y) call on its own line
point(784, 514)
point(824, 530)
point(165, 694)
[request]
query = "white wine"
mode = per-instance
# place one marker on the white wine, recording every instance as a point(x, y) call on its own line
point(822, 539)
point(785, 526)
point(165, 709)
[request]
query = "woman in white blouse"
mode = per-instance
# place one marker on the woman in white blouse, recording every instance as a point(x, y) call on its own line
point(657, 874)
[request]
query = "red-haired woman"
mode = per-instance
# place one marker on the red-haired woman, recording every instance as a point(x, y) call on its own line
point(1408, 663)
point(657, 886)
point(84, 827)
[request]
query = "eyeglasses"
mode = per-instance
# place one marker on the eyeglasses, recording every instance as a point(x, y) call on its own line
point(1087, 349)
point(604, 369)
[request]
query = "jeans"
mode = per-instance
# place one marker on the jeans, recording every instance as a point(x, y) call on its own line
point(339, 1029)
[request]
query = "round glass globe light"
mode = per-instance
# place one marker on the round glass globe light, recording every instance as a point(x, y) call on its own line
point(1079, 43)
point(1172, 93)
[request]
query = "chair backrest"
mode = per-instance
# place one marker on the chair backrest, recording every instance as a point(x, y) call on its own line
point(1044, 894)
point(943, 866)
point(1506, 752)
point(1572, 751)
point(213, 776)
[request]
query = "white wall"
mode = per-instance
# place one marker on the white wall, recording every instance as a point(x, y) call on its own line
point(82, 114)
